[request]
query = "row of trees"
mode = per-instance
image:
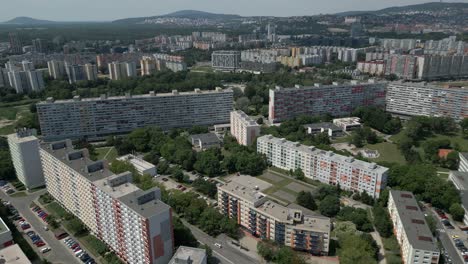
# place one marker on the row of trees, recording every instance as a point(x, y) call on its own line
point(364, 135)
point(7, 171)
point(275, 253)
point(378, 119)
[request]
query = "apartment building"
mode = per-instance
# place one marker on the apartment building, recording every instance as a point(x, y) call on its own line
point(417, 243)
point(244, 128)
point(132, 222)
point(75, 73)
point(324, 166)
point(24, 151)
point(336, 99)
point(242, 199)
point(56, 69)
point(140, 165)
point(122, 70)
point(372, 67)
point(226, 60)
point(99, 117)
point(26, 81)
point(413, 99)
point(463, 165)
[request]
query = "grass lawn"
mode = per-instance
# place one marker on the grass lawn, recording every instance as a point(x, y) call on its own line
point(108, 153)
point(19, 194)
point(56, 209)
point(6, 130)
point(89, 242)
point(202, 69)
point(344, 139)
point(392, 250)
point(8, 113)
point(388, 152)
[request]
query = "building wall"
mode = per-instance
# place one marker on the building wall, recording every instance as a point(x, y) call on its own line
point(463, 165)
point(243, 128)
point(337, 100)
point(100, 118)
point(26, 160)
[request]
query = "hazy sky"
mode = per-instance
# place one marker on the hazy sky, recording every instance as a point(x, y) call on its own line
point(80, 10)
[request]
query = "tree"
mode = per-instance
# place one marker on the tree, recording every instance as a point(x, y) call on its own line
point(357, 140)
point(355, 249)
point(76, 226)
point(464, 126)
point(452, 160)
point(178, 175)
point(208, 163)
point(205, 187)
point(299, 174)
point(457, 212)
point(182, 234)
point(307, 200)
point(243, 104)
point(330, 206)
point(358, 216)
point(382, 221)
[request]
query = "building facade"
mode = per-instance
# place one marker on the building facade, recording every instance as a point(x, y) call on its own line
point(417, 243)
point(24, 150)
point(324, 166)
point(56, 69)
point(244, 128)
point(242, 200)
point(122, 70)
point(337, 100)
point(226, 60)
point(100, 117)
point(411, 99)
point(133, 223)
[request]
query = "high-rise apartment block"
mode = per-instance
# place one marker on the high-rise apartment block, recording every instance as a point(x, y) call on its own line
point(336, 99)
point(15, 43)
point(412, 99)
point(100, 117)
point(412, 232)
point(122, 70)
point(24, 149)
point(26, 81)
point(40, 45)
point(56, 69)
point(226, 60)
point(134, 223)
point(242, 200)
point(244, 128)
point(324, 166)
point(87, 72)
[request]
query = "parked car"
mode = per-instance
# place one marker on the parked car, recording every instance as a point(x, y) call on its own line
point(45, 250)
point(218, 245)
point(164, 179)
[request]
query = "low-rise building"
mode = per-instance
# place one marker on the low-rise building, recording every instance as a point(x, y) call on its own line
point(325, 166)
point(244, 128)
point(330, 129)
point(13, 255)
point(189, 255)
point(5, 235)
point(205, 141)
point(417, 243)
point(24, 151)
point(141, 166)
point(242, 199)
point(348, 123)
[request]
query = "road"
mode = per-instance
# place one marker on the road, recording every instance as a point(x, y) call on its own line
point(59, 253)
point(228, 254)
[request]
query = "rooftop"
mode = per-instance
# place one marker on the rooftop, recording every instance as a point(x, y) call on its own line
point(117, 185)
point(23, 135)
point(318, 152)
point(247, 188)
point(189, 255)
point(13, 255)
point(145, 203)
point(207, 138)
point(128, 96)
point(348, 120)
point(3, 227)
point(461, 179)
point(139, 163)
point(324, 125)
point(413, 221)
point(246, 118)
point(317, 85)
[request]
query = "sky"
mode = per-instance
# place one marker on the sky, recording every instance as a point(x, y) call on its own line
point(106, 10)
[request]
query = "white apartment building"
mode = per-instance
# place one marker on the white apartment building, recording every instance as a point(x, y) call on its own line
point(463, 165)
point(133, 223)
point(100, 117)
point(293, 226)
point(122, 70)
point(418, 245)
point(5, 235)
point(226, 60)
point(56, 69)
point(24, 149)
point(26, 81)
point(141, 166)
point(324, 166)
point(244, 128)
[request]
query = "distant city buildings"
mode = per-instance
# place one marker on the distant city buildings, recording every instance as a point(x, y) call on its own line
point(75, 73)
point(26, 80)
point(141, 231)
point(413, 99)
point(122, 70)
point(161, 61)
point(16, 46)
point(24, 149)
point(336, 100)
point(101, 117)
point(226, 60)
point(325, 166)
point(411, 229)
point(244, 128)
point(56, 69)
point(242, 199)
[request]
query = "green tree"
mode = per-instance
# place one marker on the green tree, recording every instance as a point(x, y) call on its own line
point(299, 174)
point(208, 163)
point(330, 206)
point(457, 212)
point(382, 221)
point(182, 234)
point(306, 199)
point(178, 175)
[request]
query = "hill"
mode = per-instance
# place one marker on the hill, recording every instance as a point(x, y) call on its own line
point(28, 21)
point(191, 14)
point(433, 6)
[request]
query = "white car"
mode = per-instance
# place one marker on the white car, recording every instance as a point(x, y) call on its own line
point(45, 250)
point(218, 245)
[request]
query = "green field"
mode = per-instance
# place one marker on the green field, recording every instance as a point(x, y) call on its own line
point(388, 152)
point(108, 153)
point(392, 250)
point(206, 69)
point(56, 209)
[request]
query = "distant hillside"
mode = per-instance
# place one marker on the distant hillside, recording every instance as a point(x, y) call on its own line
point(28, 21)
point(192, 14)
point(434, 6)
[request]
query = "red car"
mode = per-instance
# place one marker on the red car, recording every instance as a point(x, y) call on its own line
point(40, 244)
point(183, 189)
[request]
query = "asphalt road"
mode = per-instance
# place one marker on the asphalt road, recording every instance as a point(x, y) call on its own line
point(228, 254)
point(447, 242)
point(59, 253)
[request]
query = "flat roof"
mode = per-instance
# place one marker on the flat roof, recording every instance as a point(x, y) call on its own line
point(141, 96)
point(147, 207)
point(312, 150)
point(139, 163)
point(461, 178)
point(247, 119)
point(206, 138)
point(116, 191)
point(3, 227)
point(183, 254)
point(13, 255)
point(320, 86)
point(414, 223)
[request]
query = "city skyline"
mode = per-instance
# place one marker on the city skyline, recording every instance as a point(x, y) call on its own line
point(67, 10)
